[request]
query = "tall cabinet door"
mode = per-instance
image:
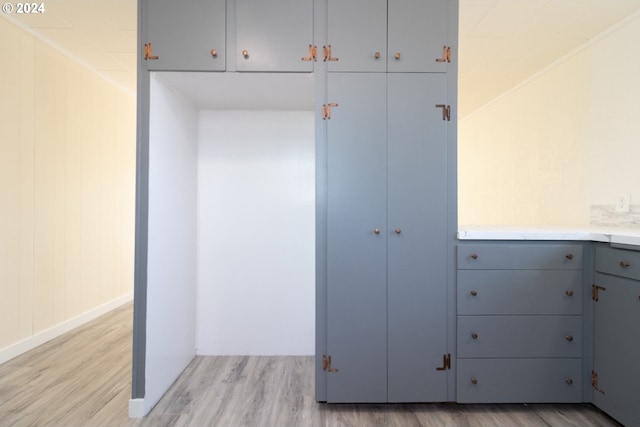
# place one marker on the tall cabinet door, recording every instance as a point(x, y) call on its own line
point(616, 349)
point(356, 239)
point(186, 35)
point(357, 34)
point(417, 34)
point(274, 35)
point(417, 223)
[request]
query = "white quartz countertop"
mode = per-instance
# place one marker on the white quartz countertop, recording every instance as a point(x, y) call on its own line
point(613, 235)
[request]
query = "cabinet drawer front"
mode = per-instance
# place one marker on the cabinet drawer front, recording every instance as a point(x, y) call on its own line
point(520, 257)
point(619, 262)
point(519, 292)
point(519, 380)
point(519, 336)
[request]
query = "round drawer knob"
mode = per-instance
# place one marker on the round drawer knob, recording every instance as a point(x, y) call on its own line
point(474, 256)
point(568, 381)
point(214, 53)
point(398, 231)
point(569, 293)
point(245, 54)
point(474, 381)
point(397, 55)
point(569, 256)
point(376, 55)
point(569, 338)
point(625, 264)
point(474, 336)
point(474, 293)
point(377, 231)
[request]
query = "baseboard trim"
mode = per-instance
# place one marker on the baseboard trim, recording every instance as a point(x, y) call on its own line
point(136, 408)
point(20, 347)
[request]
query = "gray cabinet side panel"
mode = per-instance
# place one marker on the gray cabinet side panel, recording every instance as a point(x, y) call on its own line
point(141, 220)
point(417, 219)
point(356, 255)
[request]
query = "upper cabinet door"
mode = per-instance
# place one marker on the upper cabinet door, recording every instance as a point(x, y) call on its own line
point(187, 35)
point(357, 35)
point(417, 36)
point(274, 35)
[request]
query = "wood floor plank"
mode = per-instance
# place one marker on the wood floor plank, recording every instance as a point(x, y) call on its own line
point(83, 379)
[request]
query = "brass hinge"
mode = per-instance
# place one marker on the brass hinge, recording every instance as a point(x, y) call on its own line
point(148, 52)
point(446, 362)
point(595, 292)
point(326, 110)
point(313, 54)
point(326, 364)
point(446, 111)
point(446, 54)
point(594, 382)
point(326, 54)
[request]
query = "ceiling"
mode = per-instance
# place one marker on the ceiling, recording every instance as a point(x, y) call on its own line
point(502, 42)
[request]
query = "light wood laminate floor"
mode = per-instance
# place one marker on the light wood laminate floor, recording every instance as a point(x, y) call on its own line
point(83, 379)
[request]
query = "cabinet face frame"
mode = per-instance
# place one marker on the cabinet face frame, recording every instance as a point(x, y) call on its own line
point(320, 12)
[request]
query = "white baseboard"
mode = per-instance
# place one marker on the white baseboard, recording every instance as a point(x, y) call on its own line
point(136, 408)
point(20, 347)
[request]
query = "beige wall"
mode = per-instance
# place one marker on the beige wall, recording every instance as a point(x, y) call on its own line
point(67, 184)
point(563, 141)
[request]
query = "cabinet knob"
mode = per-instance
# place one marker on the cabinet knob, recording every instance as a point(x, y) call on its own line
point(568, 381)
point(474, 336)
point(625, 264)
point(569, 293)
point(245, 53)
point(377, 231)
point(474, 381)
point(569, 338)
point(397, 55)
point(214, 53)
point(474, 293)
point(376, 55)
point(474, 256)
point(398, 231)
point(569, 256)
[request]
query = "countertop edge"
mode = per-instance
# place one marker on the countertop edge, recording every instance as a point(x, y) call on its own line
point(620, 236)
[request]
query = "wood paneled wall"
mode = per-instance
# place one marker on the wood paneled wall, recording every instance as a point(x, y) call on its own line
point(67, 188)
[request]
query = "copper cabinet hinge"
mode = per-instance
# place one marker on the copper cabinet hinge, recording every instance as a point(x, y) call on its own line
point(148, 52)
point(326, 54)
point(595, 291)
point(446, 362)
point(594, 382)
point(326, 364)
point(326, 110)
point(446, 55)
point(446, 111)
point(313, 54)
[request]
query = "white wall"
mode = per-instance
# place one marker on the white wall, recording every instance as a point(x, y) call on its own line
point(67, 184)
point(256, 197)
point(565, 140)
point(171, 281)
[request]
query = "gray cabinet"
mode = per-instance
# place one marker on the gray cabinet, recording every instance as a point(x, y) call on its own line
point(616, 352)
point(520, 324)
point(393, 35)
point(274, 35)
point(185, 35)
point(387, 220)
